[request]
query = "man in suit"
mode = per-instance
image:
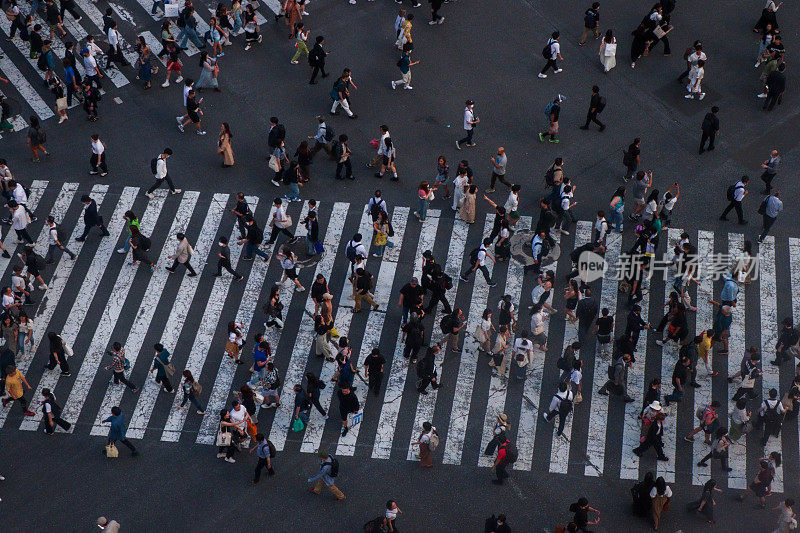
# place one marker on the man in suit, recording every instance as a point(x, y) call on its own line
point(317, 60)
point(586, 312)
point(710, 127)
point(277, 133)
point(91, 218)
point(776, 85)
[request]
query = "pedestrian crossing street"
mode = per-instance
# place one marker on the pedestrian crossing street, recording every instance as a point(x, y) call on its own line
point(99, 298)
point(27, 88)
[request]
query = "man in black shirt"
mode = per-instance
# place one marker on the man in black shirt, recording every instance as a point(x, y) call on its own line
point(439, 283)
point(312, 232)
point(348, 403)
point(635, 325)
point(776, 85)
point(410, 298)
point(241, 211)
point(254, 238)
point(591, 23)
point(363, 288)
point(318, 289)
point(586, 311)
point(277, 133)
point(224, 260)
point(596, 106)
point(414, 332)
point(710, 129)
point(680, 378)
point(604, 329)
point(193, 111)
point(373, 367)
point(426, 370)
point(786, 349)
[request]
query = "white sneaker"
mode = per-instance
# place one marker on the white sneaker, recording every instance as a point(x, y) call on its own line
point(757, 64)
point(121, 251)
point(702, 95)
point(179, 119)
point(563, 232)
point(294, 62)
point(558, 70)
point(353, 2)
point(230, 459)
point(150, 195)
point(393, 85)
point(177, 191)
point(688, 96)
point(441, 20)
point(220, 455)
point(304, 13)
point(409, 87)
point(432, 22)
point(762, 95)
point(201, 132)
point(43, 287)
point(179, 79)
point(165, 84)
point(542, 75)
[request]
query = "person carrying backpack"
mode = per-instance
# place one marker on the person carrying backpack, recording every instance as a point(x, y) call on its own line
point(265, 451)
point(551, 52)
point(735, 194)
point(506, 455)
point(428, 442)
point(328, 471)
point(477, 260)
point(596, 105)
point(771, 415)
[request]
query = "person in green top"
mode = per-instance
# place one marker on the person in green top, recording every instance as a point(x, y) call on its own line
point(405, 65)
point(130, 220)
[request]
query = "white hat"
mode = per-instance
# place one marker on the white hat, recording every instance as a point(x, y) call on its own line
point(655, 406)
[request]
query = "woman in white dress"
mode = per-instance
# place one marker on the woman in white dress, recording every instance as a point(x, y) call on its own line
point(483, 331)
point(459, 186)
point(608, 51)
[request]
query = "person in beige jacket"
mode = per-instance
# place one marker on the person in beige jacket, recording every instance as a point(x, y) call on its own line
point(183, 253)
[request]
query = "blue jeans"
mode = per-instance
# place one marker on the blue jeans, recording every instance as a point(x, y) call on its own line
point(189, 33)
point(237, 22)
point(192, 398)
point(310, 244)
point(250, 249)
point(258, 375)
point(616, 220)
point(126, 244)
point(21, 343)
point(294, 192)
point(406, 310)
point(379, 249)
point(423, 208)
point(675, 396)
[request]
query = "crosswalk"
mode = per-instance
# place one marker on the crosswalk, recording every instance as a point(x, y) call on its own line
point(100, 298)
point(27, 89)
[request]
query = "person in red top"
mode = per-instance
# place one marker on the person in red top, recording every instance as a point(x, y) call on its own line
point(500, 463)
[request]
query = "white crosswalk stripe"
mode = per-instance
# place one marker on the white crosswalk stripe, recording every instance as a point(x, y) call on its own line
point(105, 283)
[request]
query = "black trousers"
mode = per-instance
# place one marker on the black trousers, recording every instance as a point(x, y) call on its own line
point(501, 472)
point(771, 100)
point(722, 456)
point(87, 228)
point(707, 136)
point(68, 7)
point(22, 234)
point(315, 402)
point(592, 117)
point(57, 421)
point(226, 264)
point(62, 363)
point(348, 168)
point(187, 264)
point(261, 465)
point(492, 446)
point(411, 350)
point(165, 382)
point(276, 230)
point(731, 206)
point(468, 138)
point(437, 297)
point(158, 183)
point(741, 392)
point(767, 178)
point(242, 227)
point(126, 442)
point(550, 63)
point(99, 162)
point(375, 382)
point(119, 377)
point(316, 70)
point(657, 444)
point(502, 178)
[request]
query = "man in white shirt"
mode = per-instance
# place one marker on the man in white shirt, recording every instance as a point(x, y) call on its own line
point(470, 120)
point(376, 205)
point(115, 50)
point(478, 261)
point(564, 397)
point(98, 159)
point(92, 73)
point(280, 223)
point(354, 249)
point(739, 192)
point(600, 228)
point(19, 195)
point(378, 159)
point(19, 221)
point(54, 241)
point(555, 53)
point(162, 175)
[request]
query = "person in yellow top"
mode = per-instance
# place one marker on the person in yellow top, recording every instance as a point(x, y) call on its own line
point(14, 382)
point(405, 32)
point(703, 342)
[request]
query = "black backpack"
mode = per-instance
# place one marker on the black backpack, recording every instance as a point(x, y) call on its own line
point(473, 256)
point(601, 105)
point(771, 413)
point(375, 209)
point(547, 51)
point(350, 252)
point(329, 133)
point(446, 324)
point(146, 243)
point(730, 194)
point(550, 176)
point(511, 452)
point(272, 451)
point(61, 235)
point(447, 282)
point(565, 407)
point(154, 165)
point(334, 463)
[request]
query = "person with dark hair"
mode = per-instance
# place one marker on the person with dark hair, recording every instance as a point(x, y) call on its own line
point(581, 512)
point(117, 431)
point(596, 105)
point(710, 128)
point(183, 254)
point(551, 52)
point(719, 449)
point(52, 413)
point(341, 153)
point(316, 58)
point(91, 218)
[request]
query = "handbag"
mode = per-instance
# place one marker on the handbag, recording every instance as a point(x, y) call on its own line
point(252, 430)
point(298, 425)
point(274, 164)
point(659, 32)
point(61, 103)
point(111, 451)
point(611, 50)
point(287, 222)
point(578, 398)
point(169, 369)
point(171, 10)
point(67, 348)
point(224, 438)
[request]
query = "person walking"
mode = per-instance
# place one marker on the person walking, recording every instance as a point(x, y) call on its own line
point(52, 413)
point(280, 223)
point(373, 369)
point(224, 147)
point(591, 23)
point(264, 451)
point(252, 241)
point(551, 52)
point(706, 503)
point(631, 158)
point(477, 259)
point(561, 404)
point(596, 105)
point(770, 167)
point(158, 166)
point(426, 370)
point(776, 86)
point(428, 441)
point(405, 64)
point(552, 112)
point(341, 153)
point(163, 367)
point(363, 288)
point(470, 121)
point(719, 449)
point(316, 59)
point(660, 496)
point(618, 379)
point(37, 137)
point(653, 438)
point(56, 239)
point(224, 261)
point(13, 384)
point(183, 254)
point(117, 431)
point(499, 162)
point(98, 159)
point(91, 218)
point(770, 416)
point(735, 194)
point(436, 18)
point(120, 363)
point(340, 95)
point(608, 51)
point(769, 209)
point(787, 519)
point(328, 472)
point(710, 129)
point(191, 390)
point(193, 113)
point(506, 454)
